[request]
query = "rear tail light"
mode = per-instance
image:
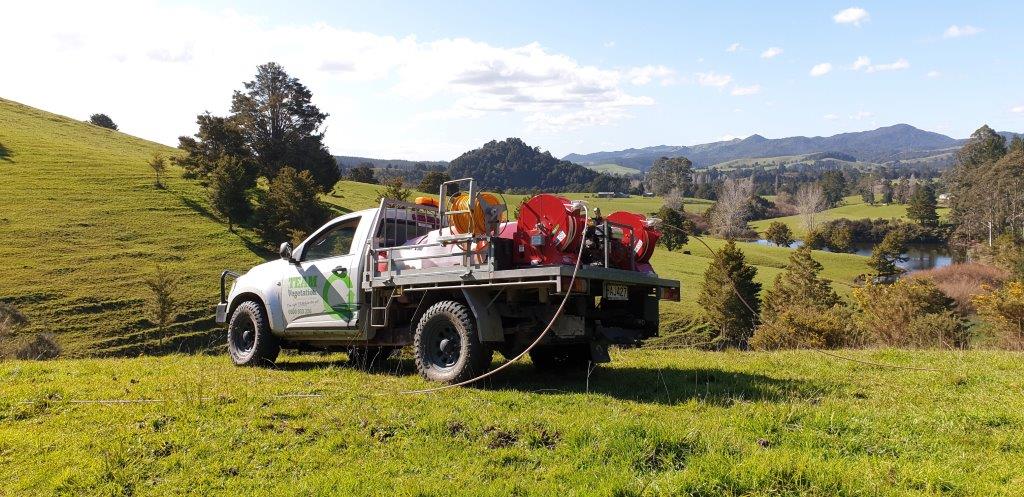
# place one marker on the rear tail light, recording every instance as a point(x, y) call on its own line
point(579, 286)
point(670, 294)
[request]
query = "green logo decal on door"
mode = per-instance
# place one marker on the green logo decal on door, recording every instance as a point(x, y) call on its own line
point(344, 310)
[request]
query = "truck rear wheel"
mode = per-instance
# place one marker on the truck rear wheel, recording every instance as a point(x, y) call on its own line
point(446, 345)
point(250, 341)
point(560, 357)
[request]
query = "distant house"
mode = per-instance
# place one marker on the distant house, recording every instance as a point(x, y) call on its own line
point(648, 194)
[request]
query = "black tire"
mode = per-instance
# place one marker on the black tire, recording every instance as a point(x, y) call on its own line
point(446, 346)
point(250, 341)
point(573, 357)
point(367, 358)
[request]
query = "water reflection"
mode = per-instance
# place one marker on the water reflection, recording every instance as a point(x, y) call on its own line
point(919, 255)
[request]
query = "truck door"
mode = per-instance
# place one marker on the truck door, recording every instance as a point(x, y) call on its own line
point(318, 291)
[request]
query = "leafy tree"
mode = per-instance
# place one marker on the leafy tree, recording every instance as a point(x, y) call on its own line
point(801, 309)
point(394, 189)
point(912, 312)
point(973, 196)
point(1016, 145)
point(431, 181)
point(902, 193)
point(676, 227)
point(281, 125)
point(886, 255)
point(1003, 310)
point(833, 185)
point(779, 234)
point(159, 166)
point(363, 173)
point(229, 183)
point(273, 123)
point(291, 208)
point(218, 137)
point(922, 207)
point(841, 238)
point(103, 121)
point(867, 193)
point(800, 286)
point(163, 284)
point(670, 173)
point(729, 296)
point(887, 193)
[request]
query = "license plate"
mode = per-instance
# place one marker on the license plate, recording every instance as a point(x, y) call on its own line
point(616, 292)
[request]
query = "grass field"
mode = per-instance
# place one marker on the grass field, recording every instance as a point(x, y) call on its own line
point(83, 225)
point(651, 423)
point(614, 169)
point(853, 207)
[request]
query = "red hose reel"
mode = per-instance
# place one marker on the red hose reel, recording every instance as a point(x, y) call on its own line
point(549, 231)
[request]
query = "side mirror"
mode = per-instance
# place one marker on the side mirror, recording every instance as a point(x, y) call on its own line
point(286, 251)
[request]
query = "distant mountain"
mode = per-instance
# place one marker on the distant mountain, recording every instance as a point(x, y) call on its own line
point(346, 162)
point(890, 143)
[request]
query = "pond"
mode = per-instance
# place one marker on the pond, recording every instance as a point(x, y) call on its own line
point(919, 256)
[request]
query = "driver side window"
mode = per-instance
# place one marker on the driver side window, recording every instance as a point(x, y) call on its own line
point(332, 243)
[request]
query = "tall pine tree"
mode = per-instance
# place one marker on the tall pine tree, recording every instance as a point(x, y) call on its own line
point(729, 296)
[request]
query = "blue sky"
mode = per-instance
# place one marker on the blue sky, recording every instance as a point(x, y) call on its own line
point(428, 81)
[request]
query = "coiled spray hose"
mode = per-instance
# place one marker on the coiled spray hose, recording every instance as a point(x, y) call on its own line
point(474, 221)
point(558, 313)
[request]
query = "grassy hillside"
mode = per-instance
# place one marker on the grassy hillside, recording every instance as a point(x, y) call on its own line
point(613, 169)
point(83, 225)
point(853, 207)
point(650, 423)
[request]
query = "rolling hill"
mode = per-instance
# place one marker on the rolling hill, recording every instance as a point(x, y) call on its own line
point(83, 225)
point(886, 144)
point(613, 169)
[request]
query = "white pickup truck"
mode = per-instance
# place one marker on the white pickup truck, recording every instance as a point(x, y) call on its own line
point(374, 281)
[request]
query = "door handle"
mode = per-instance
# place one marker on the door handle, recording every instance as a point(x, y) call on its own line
point(340, 270)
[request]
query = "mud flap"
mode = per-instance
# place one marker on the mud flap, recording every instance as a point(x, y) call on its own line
point(599, 353)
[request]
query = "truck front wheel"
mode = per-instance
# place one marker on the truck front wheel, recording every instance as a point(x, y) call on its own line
point(446, 345)
point(250, 341)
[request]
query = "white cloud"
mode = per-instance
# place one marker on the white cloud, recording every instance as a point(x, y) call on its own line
point(1018, 109)
point(712, 78)
point(202, 55)
point(955, 31)
point(852, 15)
point(609, 44)
point(740, 91)
point(933, 74)
point(895, 66)
point(733, 48)
point(643, 75)
point(863, 62)
point(821, 69)
point(830, 117)
point(861, 115)
point(771, 53)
